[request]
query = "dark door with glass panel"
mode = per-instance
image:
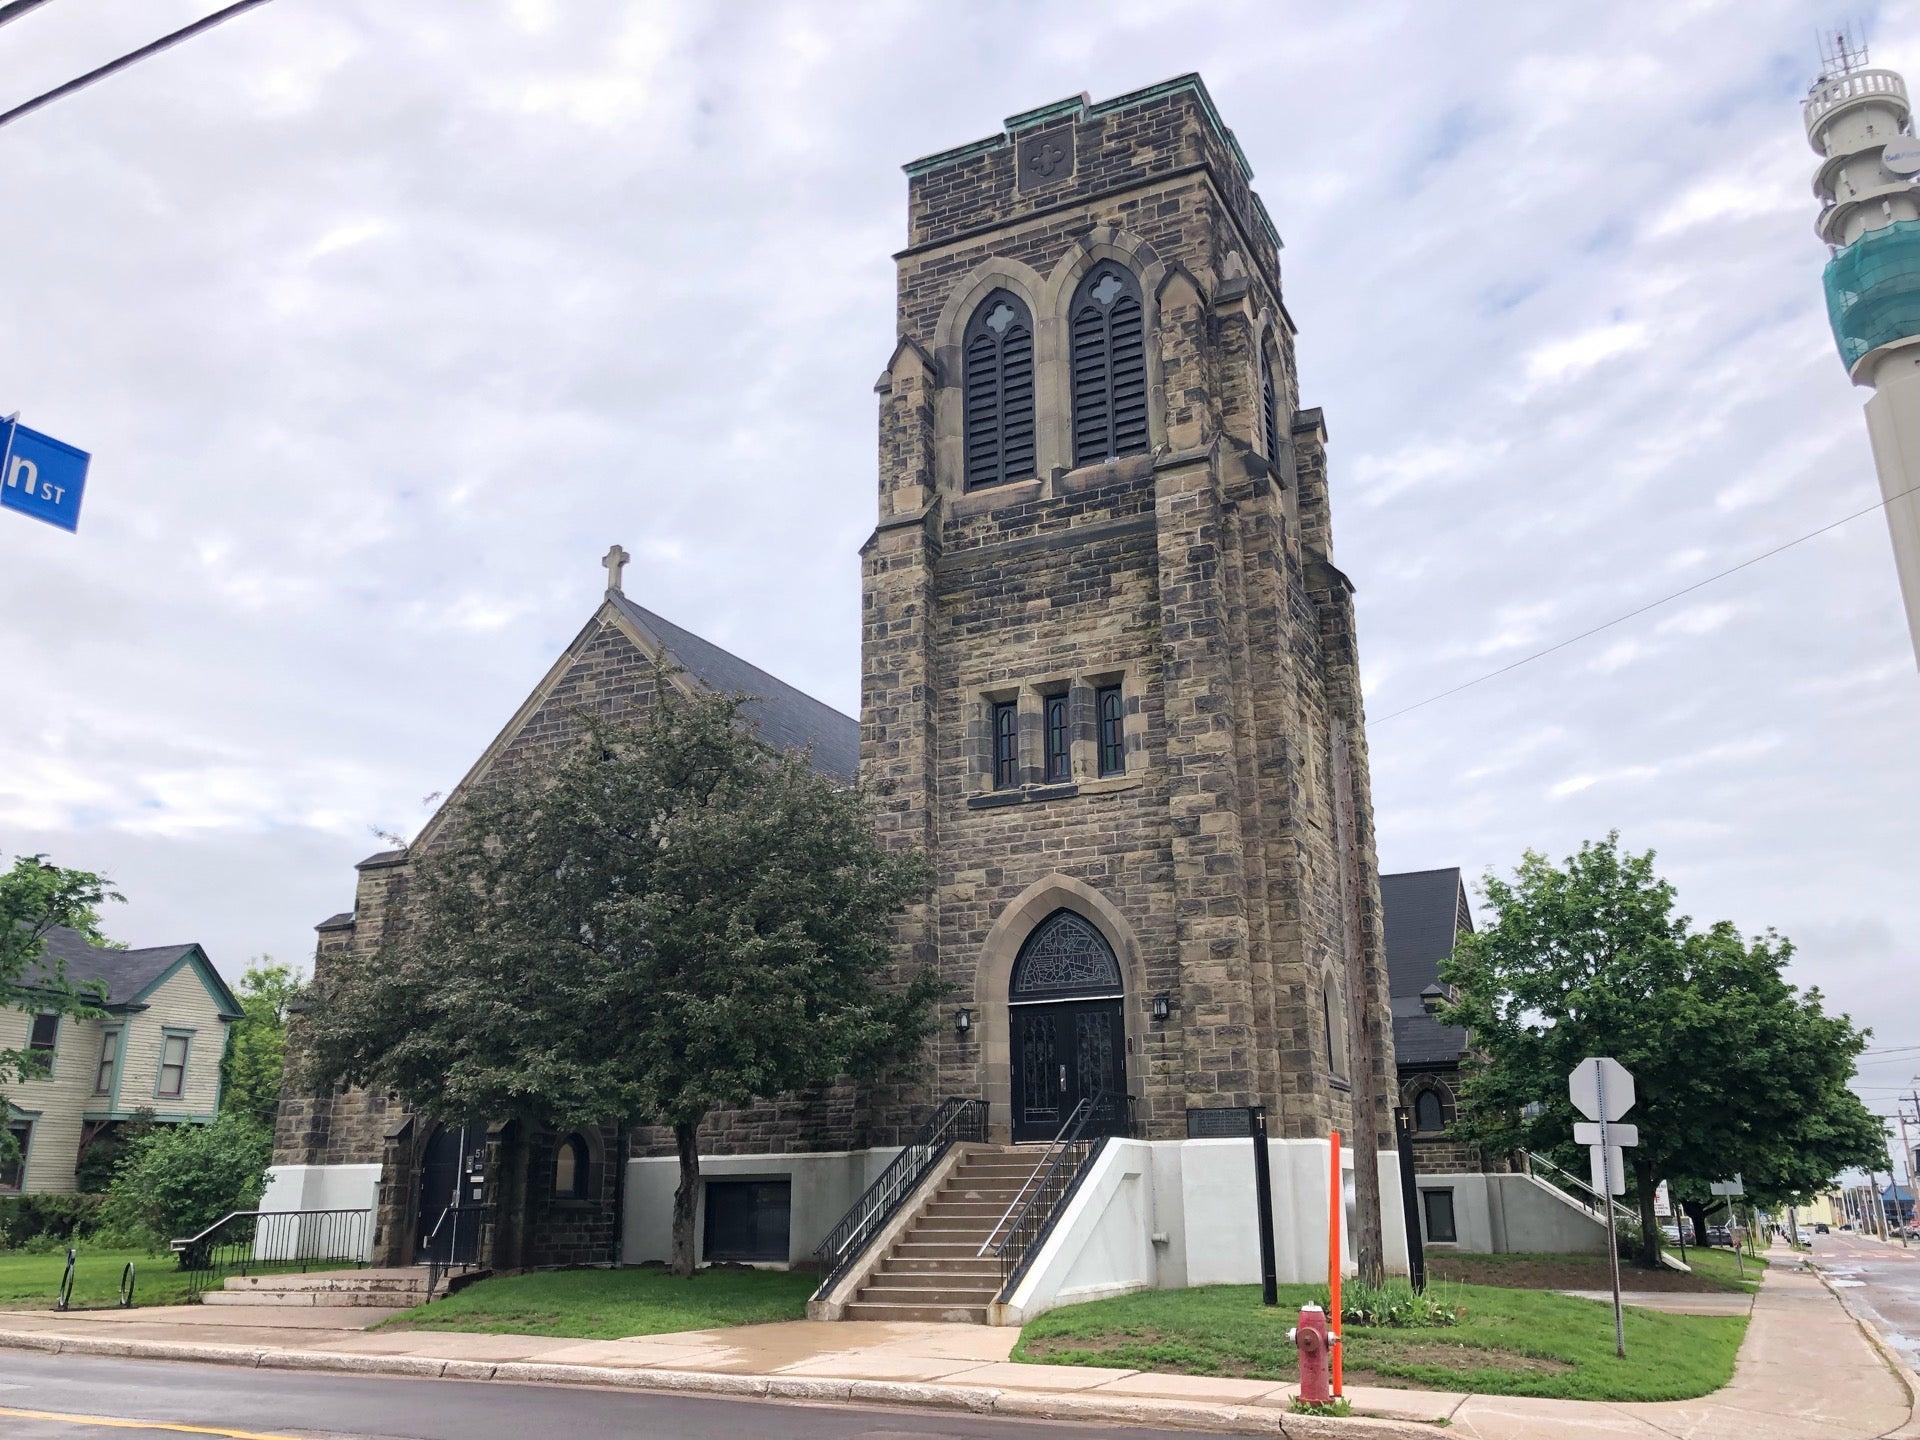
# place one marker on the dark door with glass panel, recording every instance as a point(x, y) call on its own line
point(1069, 1039)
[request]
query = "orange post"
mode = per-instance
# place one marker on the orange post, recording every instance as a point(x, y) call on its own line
point(1333, 1258)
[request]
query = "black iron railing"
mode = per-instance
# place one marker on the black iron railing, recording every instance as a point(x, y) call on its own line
point(454, 1243)
point(1016, 1236)
point(260, 1241)
point(955, 1120)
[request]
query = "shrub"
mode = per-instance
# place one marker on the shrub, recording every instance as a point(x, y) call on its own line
point(179, 1179)
point(45, 1222)
point(1394, 1305)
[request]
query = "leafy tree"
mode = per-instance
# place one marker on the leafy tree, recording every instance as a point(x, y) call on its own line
point(179, 1179)
point(670, 918)
point(1735, 1070)
point(34, 898)
point(256, 1050)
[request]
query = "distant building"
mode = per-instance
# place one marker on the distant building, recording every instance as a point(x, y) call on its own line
point(156, 1046)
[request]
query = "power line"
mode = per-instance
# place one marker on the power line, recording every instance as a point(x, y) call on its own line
point(1631, 614)
point(132, 57)
point(14, 9)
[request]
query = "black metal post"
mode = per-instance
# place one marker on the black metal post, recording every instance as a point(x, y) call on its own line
point(1263, 1198)
point(1410, 1199)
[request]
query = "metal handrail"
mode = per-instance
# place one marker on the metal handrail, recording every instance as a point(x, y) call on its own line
point(1033, 1209)
point(244, 1240)
point(1621, 1212)
point(955, 1119)
point(438, 1265)
point(1829, 93)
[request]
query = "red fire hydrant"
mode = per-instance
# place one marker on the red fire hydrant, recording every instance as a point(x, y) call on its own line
point(1316, 1365)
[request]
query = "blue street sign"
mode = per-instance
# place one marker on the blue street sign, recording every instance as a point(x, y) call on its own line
point(41, 476)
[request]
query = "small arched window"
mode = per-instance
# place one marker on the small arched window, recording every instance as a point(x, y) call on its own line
point(1269, 407)
point(1109, 358)
point(998, 388)
point(570, 1169)
point(1429, 1115)
point(1333, 1017)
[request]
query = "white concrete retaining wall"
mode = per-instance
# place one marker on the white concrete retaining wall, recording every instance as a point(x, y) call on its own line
point(824, 1186)
point(317, 1187)
point(1514, 1214)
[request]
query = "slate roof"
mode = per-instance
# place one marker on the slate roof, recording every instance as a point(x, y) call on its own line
point(126, 973)
point(782, 716)
point(1424, 908)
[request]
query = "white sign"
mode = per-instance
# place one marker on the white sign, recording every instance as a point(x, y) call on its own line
point(1596, 1076)
point(1728, 1187)
point(1588, 1132)
point(1614, 1180)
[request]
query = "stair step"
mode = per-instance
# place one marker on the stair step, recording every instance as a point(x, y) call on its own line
point(897, 1264)
point(310, 1299)
point(890, 1294)
point(926, 1314)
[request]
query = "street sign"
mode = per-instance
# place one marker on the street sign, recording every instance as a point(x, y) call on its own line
point(1614, 1181)
point(1728, 1187)
point(1588, 1132)
point(1594, 1077)
point(41, 476)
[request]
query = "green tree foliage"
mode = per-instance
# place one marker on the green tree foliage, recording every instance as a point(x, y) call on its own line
point(1736, 1070)
point(670, 918)
point(257, 1047)
point(34, 898)
point(179, 1179)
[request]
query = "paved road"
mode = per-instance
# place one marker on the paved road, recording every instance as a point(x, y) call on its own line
point(83, 1397)
point(1879, 1282)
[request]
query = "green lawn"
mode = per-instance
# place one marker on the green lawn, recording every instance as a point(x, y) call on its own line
point(1724, 1267)
point(32, 1282)
point(609, 1304)
point(1508, 1342)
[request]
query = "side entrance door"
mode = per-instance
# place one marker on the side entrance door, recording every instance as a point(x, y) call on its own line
point(1064, 1053)
point(450, 1171)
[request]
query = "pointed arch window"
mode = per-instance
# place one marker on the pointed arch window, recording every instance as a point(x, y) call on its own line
point(1429, 1115)
point(1109, 357)
point(998, 386)
point(1269, 407)
point(1064, 956)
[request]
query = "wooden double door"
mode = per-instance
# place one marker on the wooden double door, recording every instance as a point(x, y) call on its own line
point(1064, 1052)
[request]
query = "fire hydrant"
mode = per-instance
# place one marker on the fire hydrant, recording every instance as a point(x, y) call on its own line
point(1316, 1364)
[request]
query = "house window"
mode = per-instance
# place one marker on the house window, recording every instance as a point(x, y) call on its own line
point(570, 1169)
point(1429, 1116)
point(109, 1053)
point(1006, 745)
point(1109, 366)
point(1438, 1207)
point(1059, 751)
point(748, 1219)
point(998, 392)
point(40, 1045)
point(1111, 712)
point(13, 1171)
point(173, 1067)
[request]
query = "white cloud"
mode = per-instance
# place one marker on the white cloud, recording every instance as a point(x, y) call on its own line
point(1569, 357)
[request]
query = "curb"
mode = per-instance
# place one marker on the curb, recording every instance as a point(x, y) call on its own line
point(974, 1399)
point(1902, 1371)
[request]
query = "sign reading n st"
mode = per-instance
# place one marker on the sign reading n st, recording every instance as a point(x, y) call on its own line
point(41, 476)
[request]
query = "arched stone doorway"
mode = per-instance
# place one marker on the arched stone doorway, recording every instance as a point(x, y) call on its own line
point(1067, 1029)
point(450, 1169)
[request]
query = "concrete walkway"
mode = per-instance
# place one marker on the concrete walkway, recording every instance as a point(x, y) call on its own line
point(1807, 1369)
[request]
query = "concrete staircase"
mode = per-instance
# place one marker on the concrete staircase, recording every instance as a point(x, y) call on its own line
point(934, 1270)
point(397, 1289)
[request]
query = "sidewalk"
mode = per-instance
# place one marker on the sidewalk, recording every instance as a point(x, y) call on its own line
point(1807, 1369)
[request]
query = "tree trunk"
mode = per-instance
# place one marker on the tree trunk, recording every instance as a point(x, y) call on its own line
point(686, 1140)
point(1697, 1213)
point(1648, 1182)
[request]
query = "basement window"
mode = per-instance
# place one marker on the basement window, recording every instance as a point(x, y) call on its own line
point(1438, 1206)
point(749, 1220)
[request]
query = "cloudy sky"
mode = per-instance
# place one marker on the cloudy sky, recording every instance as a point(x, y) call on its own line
point(383, 321)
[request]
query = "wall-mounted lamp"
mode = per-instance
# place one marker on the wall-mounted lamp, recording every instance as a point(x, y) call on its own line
point(962, 1020)
point(1162, 1007)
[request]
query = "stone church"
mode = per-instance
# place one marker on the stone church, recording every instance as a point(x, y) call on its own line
point(1109, 684)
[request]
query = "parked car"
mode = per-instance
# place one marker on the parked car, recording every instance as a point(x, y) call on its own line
point(1822, 1228)
point(1719, 1235)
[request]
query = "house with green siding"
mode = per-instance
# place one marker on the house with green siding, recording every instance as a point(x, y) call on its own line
point(156, 1043)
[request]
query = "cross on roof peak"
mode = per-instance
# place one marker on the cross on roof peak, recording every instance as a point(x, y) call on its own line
point(616, 561)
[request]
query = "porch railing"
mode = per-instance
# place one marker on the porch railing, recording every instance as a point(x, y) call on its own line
point(955, 1120)
point(248, 1242)
point(1016, 1236)
point(1579, 1191)
point(445, 1250)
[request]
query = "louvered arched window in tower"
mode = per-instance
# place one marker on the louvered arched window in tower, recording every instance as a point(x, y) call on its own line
point(1269, 408)
point(1109, 343)
point(999, 391)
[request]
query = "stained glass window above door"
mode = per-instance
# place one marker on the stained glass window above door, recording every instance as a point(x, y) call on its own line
point(1065, 956)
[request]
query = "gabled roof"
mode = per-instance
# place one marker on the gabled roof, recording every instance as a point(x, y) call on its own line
point(784, 717)
point(1424, 911)
point(128, 975)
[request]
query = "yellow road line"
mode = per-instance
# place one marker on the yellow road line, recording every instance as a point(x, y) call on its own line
point(119, 1423)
